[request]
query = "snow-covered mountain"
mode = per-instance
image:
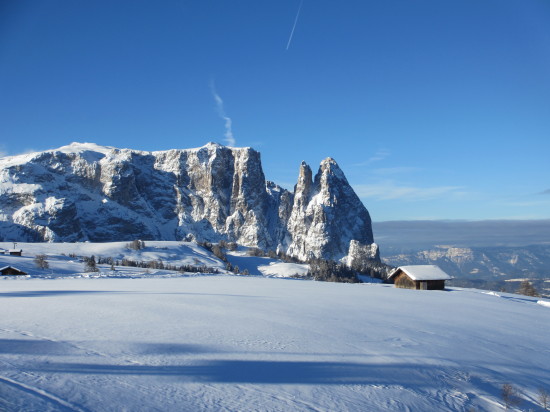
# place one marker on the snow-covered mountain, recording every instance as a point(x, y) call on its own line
point(85, 192)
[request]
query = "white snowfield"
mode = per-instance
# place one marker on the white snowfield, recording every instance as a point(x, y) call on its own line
point(141, 339)
point(230, 343)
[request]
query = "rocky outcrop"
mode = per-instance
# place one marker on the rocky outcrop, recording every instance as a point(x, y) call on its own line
point(89, 192)
point(327, 215)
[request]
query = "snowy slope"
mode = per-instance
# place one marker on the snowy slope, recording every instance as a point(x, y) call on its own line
point(248, 343)
point(62, 265)
point(264, 266)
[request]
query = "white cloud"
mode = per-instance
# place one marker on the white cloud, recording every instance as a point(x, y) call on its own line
point(229, 138)
point(395, 170)
point(377, 157)
point(388, 190)
point(529, 203)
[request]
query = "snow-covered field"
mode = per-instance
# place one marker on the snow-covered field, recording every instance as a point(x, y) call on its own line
point(137, 339)
point(262, 344)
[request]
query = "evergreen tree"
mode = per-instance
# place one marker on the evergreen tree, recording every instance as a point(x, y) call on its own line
point(526, 288)
point(90, 264)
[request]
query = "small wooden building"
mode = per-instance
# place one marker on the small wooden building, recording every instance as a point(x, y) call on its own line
point(12, 271)
point(16, 252)
point(420, 277)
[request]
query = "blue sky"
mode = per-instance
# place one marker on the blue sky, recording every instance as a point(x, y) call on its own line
point(434, 109)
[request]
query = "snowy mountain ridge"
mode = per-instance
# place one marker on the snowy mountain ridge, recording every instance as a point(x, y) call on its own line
point(87, 192)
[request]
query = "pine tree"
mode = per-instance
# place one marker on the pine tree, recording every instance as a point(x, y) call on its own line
point(526, 288)
point(90, 265)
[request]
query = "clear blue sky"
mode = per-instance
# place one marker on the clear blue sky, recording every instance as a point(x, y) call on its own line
point(434, 109)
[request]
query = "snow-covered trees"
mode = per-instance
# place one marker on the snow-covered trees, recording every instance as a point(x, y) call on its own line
point(136, 244)
point(330, 271)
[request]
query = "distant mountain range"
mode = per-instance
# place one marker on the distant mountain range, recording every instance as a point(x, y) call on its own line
point(410, 235)
point(493, 254)
point(86, 192)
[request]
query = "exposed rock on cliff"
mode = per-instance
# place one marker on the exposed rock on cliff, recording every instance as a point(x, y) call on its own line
point(89, 192)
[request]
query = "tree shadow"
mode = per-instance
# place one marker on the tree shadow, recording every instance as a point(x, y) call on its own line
point(43, 293)
point(418, 377)
point(520, 299)
point(35, 347)
point(173, 348)
point(263, 372)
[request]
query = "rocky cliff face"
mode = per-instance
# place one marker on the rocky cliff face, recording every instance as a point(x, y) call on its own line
point(88, 192)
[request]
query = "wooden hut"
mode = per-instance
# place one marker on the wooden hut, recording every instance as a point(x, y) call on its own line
point(16, 252)
point(420, 277)
point(11, 271)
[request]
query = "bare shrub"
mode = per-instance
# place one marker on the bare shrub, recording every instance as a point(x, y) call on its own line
point(41, 262)
point(544, 398)
point(510, 396)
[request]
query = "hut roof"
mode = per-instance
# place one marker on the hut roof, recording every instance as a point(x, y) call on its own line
point(14, 268)
point(422, 272)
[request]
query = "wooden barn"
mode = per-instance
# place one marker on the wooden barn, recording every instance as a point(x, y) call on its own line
point(420, 277)
point(11, 271)
point(16, 252)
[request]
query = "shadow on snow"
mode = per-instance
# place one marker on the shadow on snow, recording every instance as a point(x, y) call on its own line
point(262, 372)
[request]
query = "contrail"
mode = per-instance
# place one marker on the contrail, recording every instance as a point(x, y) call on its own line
point(295, 22)
point(229, 139)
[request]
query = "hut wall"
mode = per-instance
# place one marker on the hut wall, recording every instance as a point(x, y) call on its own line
point(436, 284)
point(401, 280)
point(12, 272)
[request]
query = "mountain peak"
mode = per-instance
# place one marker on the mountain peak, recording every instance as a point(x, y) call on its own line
point(84, 191)
point(77, 147)
point(329, 171)
point(213, 144)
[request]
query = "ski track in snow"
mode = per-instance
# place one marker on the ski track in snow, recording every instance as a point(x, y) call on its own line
point(56, 402)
